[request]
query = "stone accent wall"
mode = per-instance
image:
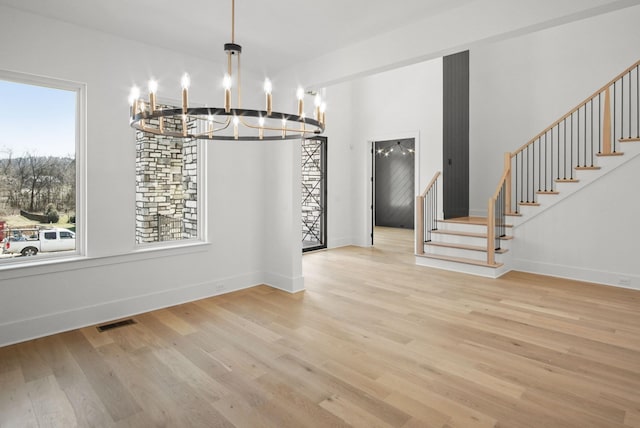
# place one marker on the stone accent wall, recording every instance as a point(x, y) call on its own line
point(190, 189)
point(311, 191)
point(166, 186)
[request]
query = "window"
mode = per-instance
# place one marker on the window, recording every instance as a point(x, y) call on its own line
point(168, 186)
point(66, 235)
point(314, 193)
point(39, 167)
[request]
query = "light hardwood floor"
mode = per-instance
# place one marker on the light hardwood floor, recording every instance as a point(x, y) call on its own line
point(373, 341)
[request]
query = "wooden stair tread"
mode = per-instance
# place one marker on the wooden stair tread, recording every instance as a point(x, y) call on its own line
point(477, 221)
point(629, 140)
point(566, 180)
point(529, 204)
point(458, 233)
point(547, 192)
point(513, 214)
point(610, 154)
point(466, 220)
point(587, 168)
point(463, 247)
point(468, 234)
point(460, 260)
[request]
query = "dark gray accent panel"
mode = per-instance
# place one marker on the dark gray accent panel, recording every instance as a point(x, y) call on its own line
point(394, 183)
point(456, 135)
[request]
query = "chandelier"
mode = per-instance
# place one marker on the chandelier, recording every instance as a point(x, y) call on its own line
point(227, 122)
point(399, 148)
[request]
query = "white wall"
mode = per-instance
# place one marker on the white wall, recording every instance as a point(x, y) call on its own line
point(282, 215)
point(401, 103)
point(115, 280)
point(591, 235)
point(339, 157)
point(521, 85)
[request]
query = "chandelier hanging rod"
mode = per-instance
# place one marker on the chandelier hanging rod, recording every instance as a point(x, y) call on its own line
point(199, 122)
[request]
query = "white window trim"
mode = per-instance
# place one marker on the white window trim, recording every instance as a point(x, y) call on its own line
point(81, 165)
point(202, 237)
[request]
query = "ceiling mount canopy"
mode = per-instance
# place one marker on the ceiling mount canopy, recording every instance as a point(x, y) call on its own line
point(227, 122)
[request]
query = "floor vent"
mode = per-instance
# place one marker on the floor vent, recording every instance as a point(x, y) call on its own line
point(116, 324)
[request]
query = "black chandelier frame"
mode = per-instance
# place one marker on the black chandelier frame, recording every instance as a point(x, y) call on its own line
point(140, 119)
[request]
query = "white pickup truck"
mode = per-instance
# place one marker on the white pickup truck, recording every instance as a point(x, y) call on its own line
point(46, 240)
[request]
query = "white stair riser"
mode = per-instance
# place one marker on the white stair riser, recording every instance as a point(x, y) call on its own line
point(463, 227)
point(458, 239)
point(455, 252)
point(462, 267)
point(465, 240)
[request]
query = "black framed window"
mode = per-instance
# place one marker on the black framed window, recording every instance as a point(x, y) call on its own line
point(314, 193)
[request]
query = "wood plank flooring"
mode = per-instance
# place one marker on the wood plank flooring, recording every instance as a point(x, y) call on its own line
point(374, 341)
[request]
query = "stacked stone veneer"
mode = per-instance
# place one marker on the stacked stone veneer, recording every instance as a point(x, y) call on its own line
point(311, 191)
point(166, 186)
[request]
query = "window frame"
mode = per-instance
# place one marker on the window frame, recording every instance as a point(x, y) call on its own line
point(80, 90)
point(201, 203)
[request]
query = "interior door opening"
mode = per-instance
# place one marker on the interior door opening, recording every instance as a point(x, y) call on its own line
point(393, 184)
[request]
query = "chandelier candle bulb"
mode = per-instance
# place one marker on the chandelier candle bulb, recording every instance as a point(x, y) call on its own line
point(186, 82)
point(284, 128)
point(268, 87)
point(226, 83)
point(300, 96)
point(261, 129)
point(323, 108)
point(236, 121)
point(153, 88)
point(133, 100)
point(210, 130)
point(317, 102)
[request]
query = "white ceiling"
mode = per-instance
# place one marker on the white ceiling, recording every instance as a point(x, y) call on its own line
point(274, 34)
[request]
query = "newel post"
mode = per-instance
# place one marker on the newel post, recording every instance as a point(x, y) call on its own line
point(420, 225)
point(491, 232)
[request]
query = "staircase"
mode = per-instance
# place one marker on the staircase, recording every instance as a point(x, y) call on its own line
point(591, 140)
point(460, 245)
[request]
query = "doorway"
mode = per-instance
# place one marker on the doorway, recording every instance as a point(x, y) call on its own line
point(314, 194)
point(393, 189)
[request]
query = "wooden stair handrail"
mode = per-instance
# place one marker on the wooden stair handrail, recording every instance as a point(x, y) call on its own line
point(430, 185)
point(578, 107)
point(505, 174)
point(420, 214)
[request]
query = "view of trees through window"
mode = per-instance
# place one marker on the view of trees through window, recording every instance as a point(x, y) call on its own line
point(37, 169)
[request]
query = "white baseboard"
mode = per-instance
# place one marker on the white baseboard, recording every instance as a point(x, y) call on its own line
point(339, 242)
point(614, 279)
point(284, 283)
point(45, 325)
